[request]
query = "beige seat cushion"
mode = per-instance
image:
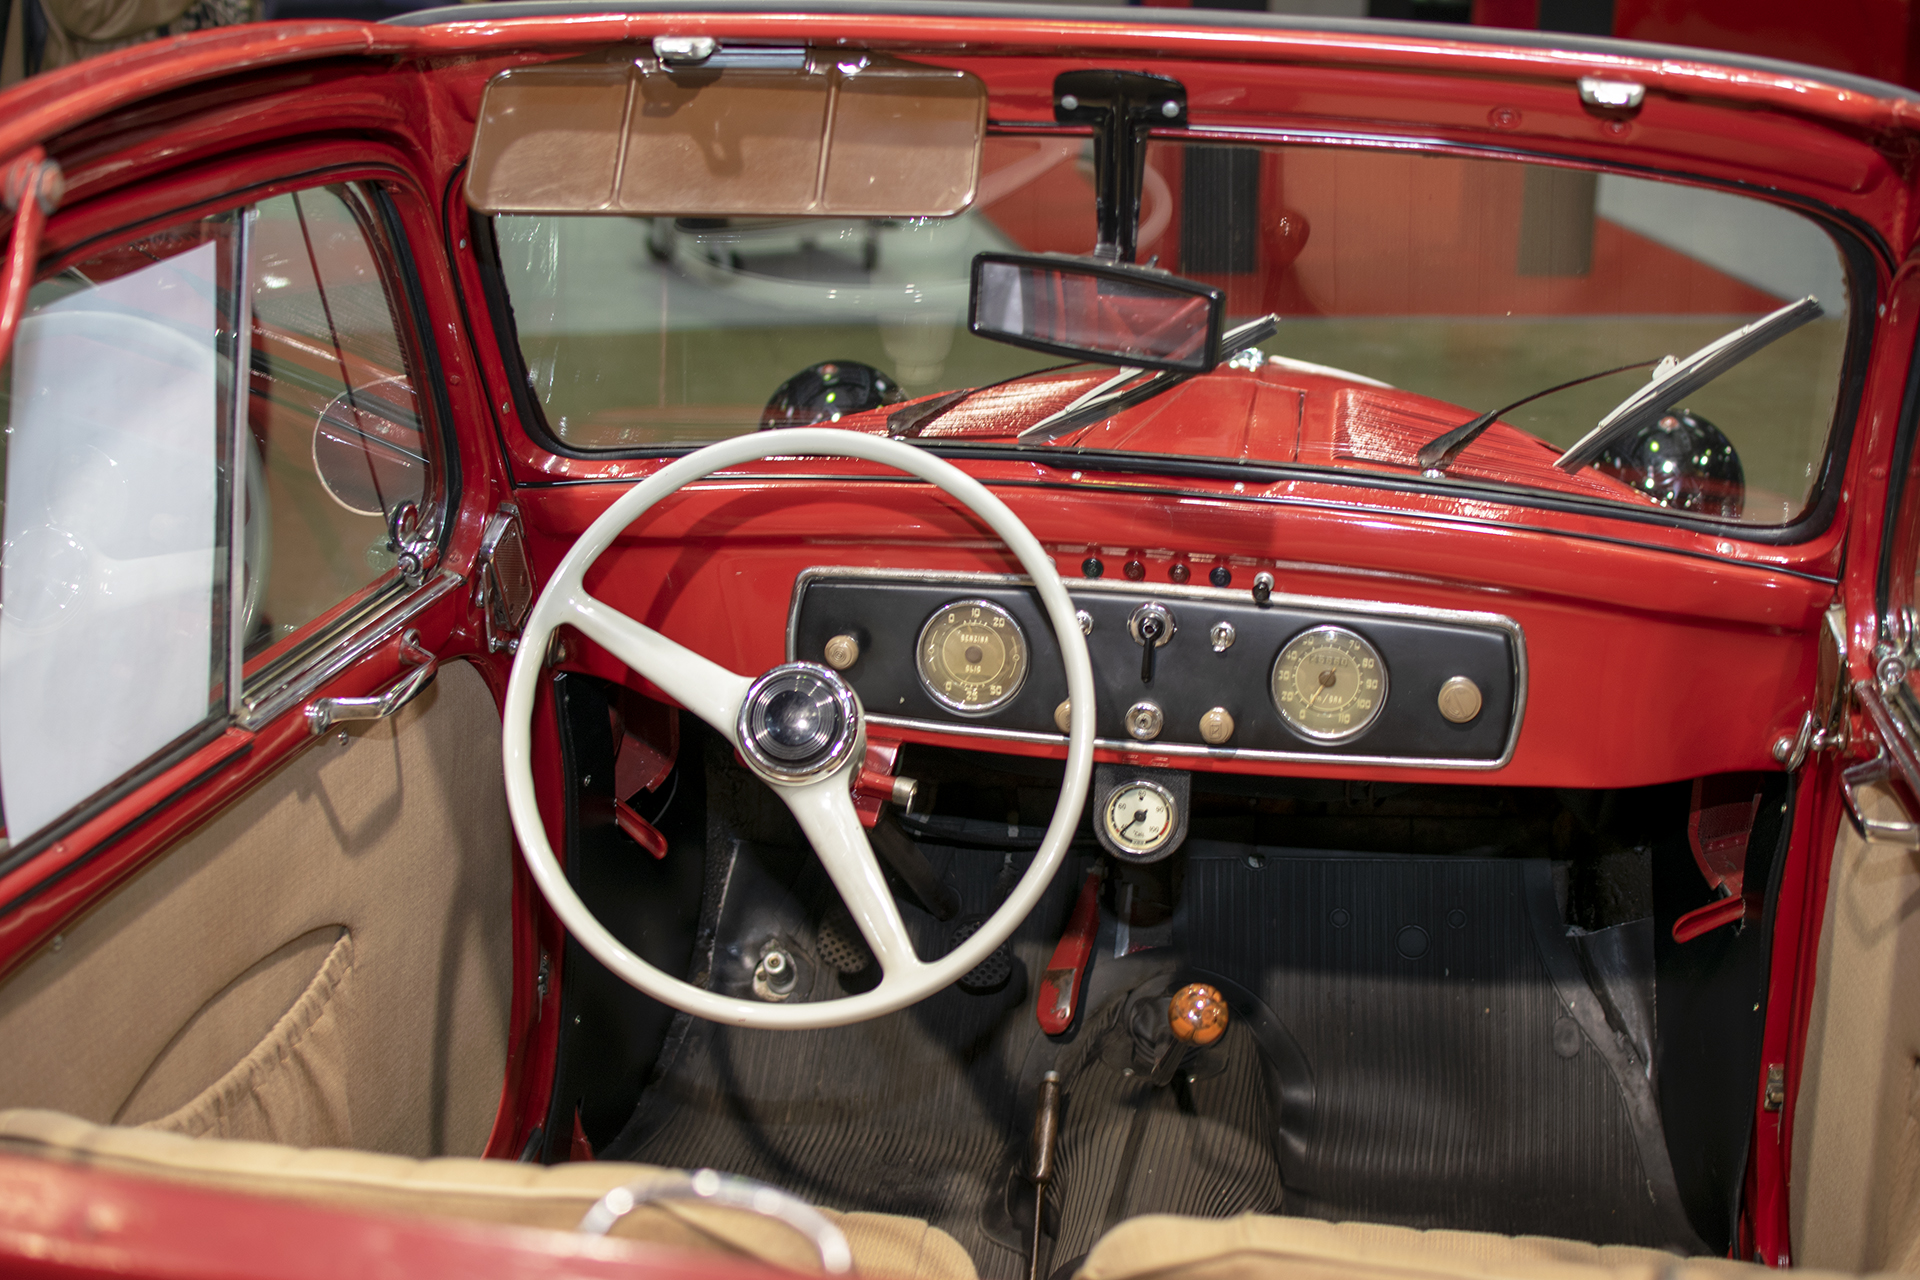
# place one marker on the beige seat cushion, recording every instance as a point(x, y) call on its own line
point(1163, 1247)
point(497, 1191)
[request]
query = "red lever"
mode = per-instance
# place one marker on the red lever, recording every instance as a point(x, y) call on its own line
point(1060, 985)
point(1708, 918)
point(639, 830)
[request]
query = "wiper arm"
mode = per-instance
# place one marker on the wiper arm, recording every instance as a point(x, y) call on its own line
point(1122, 391)
point(1438, 453)
point(908, 422)
point(1674, 380)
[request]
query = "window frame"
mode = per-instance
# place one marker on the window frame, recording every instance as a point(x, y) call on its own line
point(328, 645)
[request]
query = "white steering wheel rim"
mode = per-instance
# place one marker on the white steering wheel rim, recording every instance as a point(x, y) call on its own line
point(714, 694)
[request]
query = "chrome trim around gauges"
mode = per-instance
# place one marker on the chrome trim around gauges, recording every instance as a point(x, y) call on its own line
point(1366, 608)
point(798, 722)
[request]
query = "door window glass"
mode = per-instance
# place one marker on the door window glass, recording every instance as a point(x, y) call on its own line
point(112, 577)
point(335, 424)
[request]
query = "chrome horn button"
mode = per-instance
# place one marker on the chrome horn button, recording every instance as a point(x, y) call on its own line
point(798, 721)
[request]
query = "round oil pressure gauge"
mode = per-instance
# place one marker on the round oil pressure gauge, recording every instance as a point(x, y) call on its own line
point(1329, 684)
point(1140, 816)
point(972, 657)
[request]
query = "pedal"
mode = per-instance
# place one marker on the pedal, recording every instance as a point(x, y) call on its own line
point(840, 946)
point(990, 974)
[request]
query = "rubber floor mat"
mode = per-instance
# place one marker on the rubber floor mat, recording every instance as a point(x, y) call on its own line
point(1461, 1068)
point(921, 1112)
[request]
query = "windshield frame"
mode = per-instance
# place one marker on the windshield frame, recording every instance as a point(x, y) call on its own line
point(1863, 251)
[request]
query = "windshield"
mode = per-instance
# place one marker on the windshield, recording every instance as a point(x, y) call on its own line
point(1414, 293)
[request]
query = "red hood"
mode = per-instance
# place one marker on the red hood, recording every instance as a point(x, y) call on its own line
point(1276, 414)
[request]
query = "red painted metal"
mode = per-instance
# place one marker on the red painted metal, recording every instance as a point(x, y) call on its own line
point(639, 830)
point(65, 1222)
point(1057, 995)
point(187, 122)
point(30, 184)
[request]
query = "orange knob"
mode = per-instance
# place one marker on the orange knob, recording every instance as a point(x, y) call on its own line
point(1197, 1014)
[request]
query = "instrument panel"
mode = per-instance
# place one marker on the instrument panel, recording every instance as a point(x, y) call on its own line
point(1198, 671)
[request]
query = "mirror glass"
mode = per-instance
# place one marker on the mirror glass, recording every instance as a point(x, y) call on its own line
point(1095, 311)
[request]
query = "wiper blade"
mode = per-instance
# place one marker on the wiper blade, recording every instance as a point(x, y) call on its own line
point(1122, 391)
point(1673, 382)
point(907, 422)
point(1438, 453)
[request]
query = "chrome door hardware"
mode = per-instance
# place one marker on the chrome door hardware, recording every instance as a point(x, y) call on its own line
point(413, 548)
point(327, 712)
point(1877, 774)
point(502, 580)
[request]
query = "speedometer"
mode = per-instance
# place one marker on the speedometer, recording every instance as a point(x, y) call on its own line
point(972, 657)
point(1329, 684)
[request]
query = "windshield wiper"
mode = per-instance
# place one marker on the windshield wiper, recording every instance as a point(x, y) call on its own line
point(1126, 388)
point(909, 421)
point(1674, 380)
point(1436, 454)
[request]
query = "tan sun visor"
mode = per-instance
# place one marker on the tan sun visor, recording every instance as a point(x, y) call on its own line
point(823, 135)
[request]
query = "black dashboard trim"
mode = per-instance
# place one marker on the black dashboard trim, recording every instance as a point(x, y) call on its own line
point(1223, 755)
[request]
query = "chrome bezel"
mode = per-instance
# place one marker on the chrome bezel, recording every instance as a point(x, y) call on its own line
point(958, 708)
point(1134, 847)
point(839, 748)
point(1195, 751)
point(1307, 636)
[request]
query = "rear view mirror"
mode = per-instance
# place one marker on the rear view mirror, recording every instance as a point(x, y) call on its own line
point(747, 132)
point(1106, 312)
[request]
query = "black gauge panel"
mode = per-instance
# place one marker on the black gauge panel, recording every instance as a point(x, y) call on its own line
point(1221, 652)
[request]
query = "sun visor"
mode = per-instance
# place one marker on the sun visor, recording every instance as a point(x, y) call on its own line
point(821, 135)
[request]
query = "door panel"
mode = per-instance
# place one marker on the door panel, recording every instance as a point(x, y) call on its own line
point(391, 838)
point(1856, 1133)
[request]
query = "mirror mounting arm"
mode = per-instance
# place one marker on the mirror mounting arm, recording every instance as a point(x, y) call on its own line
point(1121, 107)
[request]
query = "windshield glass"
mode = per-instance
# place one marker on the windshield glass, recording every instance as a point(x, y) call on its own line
point(1414, 292)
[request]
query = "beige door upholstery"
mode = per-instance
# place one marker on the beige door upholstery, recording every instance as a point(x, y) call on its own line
point(1160, 1247)
point(326, 963)
point(1856, 1132)
point(497, 1191)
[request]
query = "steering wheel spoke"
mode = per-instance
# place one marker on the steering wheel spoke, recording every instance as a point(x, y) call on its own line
point(802, 728)
point(825, 812)
point(703, 687)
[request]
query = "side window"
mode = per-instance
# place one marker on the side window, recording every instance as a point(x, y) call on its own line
point(335, 424)
point(113, 575)
point(141, 478)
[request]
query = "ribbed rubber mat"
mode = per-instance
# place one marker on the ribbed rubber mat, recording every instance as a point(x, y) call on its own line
point(912, 1113)
point(1463, 1073)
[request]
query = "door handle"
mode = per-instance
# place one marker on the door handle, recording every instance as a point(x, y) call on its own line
point(327, 712)
point(1877, 772)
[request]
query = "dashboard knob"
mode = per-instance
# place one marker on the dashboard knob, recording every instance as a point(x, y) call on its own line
point(1216, 726)
point(1460, 700)
point(1144, 720)
point(1062, 713)
point(1197, 1014)
point(842, 652)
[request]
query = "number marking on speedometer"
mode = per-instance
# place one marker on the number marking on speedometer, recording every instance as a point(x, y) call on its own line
point(1329, 684)
point(972, 657)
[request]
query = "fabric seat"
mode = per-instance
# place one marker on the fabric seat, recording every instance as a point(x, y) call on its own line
point(1164, 1247)
point(496, 1191)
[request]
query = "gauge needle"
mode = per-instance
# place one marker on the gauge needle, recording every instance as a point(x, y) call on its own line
point(1137, 815)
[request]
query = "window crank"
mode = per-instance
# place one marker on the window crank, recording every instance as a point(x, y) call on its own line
point(327, 712)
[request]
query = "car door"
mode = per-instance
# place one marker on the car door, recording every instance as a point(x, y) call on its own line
point(257, 873)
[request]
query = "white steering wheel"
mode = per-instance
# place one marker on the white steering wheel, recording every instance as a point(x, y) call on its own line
point(799, 727)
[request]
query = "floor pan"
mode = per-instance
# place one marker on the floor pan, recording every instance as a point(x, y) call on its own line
point(1419, 1041)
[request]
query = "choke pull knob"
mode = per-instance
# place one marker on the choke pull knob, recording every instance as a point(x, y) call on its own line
point(1198, 1014)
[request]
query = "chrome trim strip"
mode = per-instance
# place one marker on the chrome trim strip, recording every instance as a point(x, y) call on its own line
point(267, 704)
point(239, 439)
point(1368, 608)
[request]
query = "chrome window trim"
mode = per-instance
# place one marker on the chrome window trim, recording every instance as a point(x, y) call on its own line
point(1223, 755)
point(333, 652)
